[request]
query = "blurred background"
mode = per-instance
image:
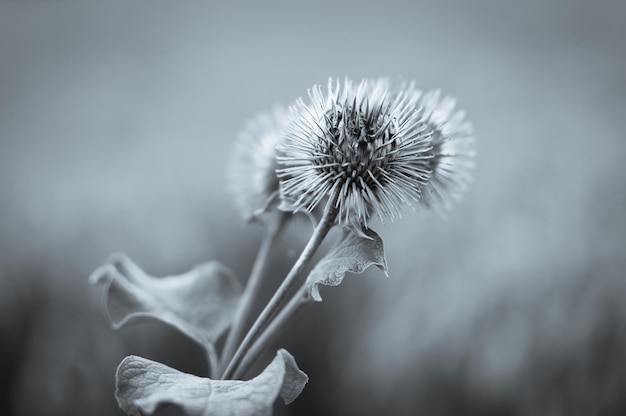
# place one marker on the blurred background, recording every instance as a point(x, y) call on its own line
point(116, 123)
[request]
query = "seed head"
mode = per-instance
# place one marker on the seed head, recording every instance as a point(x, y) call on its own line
point(452, 151)
point(372, 147)
point(252, 176)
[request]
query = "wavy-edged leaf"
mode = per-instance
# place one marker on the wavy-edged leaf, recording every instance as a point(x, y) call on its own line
point(143, 385)
point(199, 303)
point(354, 253)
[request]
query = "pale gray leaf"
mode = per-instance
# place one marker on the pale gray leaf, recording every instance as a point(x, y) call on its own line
point(143, 385)
point(354, 253)
point(199, 303)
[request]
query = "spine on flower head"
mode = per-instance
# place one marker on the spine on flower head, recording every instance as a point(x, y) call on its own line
point(252, 174)
point(376, 147)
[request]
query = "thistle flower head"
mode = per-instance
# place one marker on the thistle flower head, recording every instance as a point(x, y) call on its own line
point(372, 147)
point(452, 150)
point(252, 176)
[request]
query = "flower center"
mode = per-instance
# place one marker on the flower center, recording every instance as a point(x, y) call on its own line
point(359, 145)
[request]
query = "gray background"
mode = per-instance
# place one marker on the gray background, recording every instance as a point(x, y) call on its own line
point(116, 123)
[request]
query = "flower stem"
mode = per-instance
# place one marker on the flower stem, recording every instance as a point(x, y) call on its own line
point(274, 227)
point(214, 367)
point(297, 301)
point(278, 299)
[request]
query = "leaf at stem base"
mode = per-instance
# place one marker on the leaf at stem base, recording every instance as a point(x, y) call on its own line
point(199, 303)
point(143, 385)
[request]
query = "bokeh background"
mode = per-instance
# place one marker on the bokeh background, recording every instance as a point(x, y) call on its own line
point(116, 123)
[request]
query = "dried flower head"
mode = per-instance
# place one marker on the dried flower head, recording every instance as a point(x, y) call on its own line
point(452, 142)
point(370, 146)
point(252, 176)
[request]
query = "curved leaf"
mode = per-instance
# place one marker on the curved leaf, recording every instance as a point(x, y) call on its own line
point(143, 385)
point(354, 253)
point(199, 303)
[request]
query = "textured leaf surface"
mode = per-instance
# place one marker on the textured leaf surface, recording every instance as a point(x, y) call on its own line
point(354, 253)
point(200, 303)
point(143, 385)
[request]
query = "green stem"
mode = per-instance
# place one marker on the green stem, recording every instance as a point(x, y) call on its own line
point(274, 227)
point(278, 299)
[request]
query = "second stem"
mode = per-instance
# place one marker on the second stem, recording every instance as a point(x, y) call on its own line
point(279, 298)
